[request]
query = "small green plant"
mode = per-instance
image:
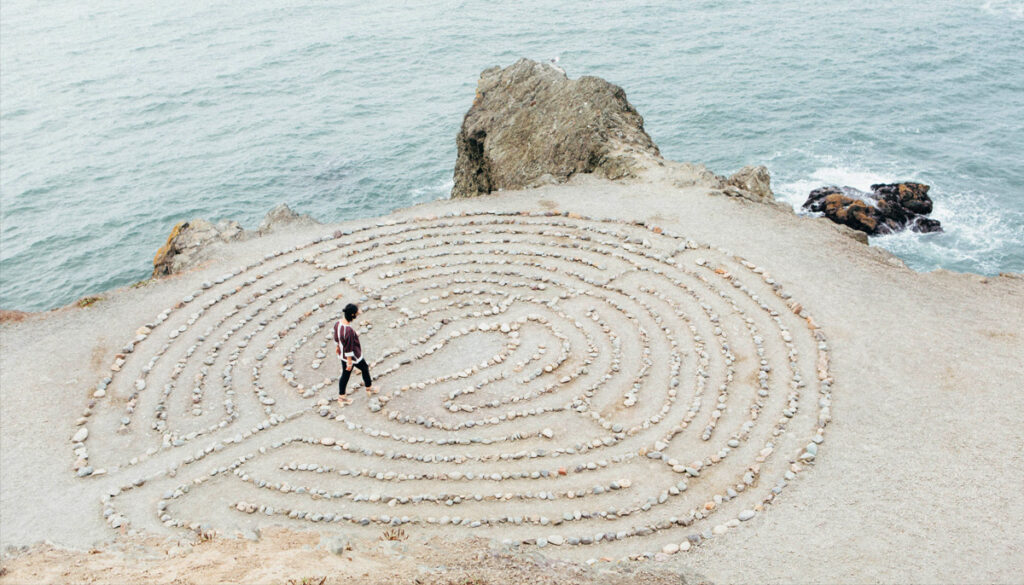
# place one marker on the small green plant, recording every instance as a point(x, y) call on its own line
point(86, 301)
point(142, 283)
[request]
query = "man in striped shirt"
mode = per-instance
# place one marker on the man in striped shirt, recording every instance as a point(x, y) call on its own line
point(351, 353)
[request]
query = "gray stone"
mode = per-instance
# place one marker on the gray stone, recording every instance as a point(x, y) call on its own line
point(531, 125)
point(753, 182)
point(338, 546)
point(281, 216)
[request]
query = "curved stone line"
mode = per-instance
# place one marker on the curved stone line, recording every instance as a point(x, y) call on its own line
point(661, 256)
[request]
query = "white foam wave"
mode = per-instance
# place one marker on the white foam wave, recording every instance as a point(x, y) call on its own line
point(1004, 9)
point(437, 190)
point(980, 236)
point(795, 192)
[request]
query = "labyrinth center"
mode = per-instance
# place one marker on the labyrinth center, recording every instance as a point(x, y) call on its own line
point(599, 388)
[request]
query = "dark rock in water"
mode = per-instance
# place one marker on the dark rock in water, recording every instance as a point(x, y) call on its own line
point(926, 225)
point(888, 208)
point(841, 208)
point(531, 125)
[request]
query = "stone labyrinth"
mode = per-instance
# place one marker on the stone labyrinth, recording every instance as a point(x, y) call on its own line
point(601, 388)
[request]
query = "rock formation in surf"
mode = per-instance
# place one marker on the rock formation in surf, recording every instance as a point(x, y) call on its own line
point(888, 208)
point(531, 125)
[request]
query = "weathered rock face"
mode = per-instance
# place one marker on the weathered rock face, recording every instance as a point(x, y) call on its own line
point(754, 182)
point(190, 240)
point(910, 196)
point(888, 208)
point(530, 125)
point(281, 216)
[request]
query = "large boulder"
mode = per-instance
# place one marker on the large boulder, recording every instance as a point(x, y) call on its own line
point(530, 125)
point(888, 208)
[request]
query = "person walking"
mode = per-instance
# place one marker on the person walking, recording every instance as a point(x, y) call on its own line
point(350, 352)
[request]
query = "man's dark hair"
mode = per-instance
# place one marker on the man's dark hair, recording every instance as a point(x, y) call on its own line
point(350, 311)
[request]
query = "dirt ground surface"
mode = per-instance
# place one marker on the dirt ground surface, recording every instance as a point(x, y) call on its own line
point(290, 558)
point(915, 474)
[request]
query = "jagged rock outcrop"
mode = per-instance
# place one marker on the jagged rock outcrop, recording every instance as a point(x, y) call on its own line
point(281, 216)
point(754, 182)
point(187, 241)
point(531, 125)
point(888, 208)
point(911, 196)
point(190, 241)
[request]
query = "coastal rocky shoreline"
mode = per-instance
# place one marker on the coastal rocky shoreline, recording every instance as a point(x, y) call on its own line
point(605, 366)
point(189, 241)
point(505, 144)
point(529, 125)
point(886, 209)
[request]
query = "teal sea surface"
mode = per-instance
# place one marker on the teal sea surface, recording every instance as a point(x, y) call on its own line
point(119, 119)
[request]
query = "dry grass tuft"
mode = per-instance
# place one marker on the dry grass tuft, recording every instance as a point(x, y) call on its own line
point(394, 534)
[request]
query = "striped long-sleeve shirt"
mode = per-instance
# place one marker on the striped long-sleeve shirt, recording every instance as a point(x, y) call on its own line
point(348, 339)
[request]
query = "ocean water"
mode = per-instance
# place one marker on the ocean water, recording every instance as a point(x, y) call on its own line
point(119, 119)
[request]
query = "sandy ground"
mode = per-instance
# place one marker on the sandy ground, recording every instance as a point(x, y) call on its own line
point(918, 479)
point(291, 558)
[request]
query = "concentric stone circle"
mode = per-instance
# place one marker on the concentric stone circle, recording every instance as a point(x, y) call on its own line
point(602, 387)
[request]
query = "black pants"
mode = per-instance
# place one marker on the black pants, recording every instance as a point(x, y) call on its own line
point(343, 382)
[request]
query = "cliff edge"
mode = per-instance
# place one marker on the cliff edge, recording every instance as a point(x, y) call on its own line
point(586, 374)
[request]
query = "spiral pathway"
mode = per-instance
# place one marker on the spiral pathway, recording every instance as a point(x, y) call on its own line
point(600, 388)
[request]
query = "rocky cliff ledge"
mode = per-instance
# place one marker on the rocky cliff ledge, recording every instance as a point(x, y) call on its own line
point(191, 241)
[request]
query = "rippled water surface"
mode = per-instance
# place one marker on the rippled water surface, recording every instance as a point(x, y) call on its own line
point(118, 120)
